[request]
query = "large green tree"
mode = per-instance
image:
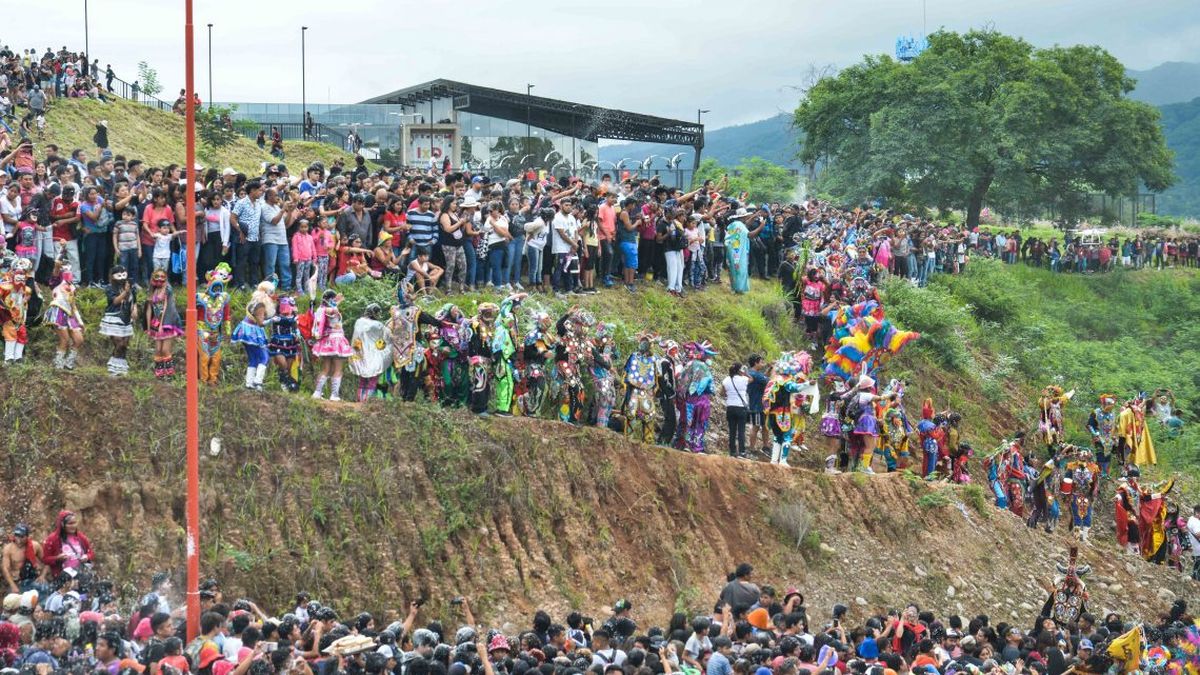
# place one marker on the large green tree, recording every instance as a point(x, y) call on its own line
point(762, 181)
point(980, 117)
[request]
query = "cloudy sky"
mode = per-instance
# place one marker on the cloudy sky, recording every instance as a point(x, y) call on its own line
point(743, 60)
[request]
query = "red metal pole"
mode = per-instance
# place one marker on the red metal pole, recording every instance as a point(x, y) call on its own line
point(192, 359)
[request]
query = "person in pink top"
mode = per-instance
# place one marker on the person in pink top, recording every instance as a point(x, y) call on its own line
point(606, 221)
point(304, 254)
point(157, 210)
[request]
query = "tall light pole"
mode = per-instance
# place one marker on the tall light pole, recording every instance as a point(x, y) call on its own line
point(87, 50)
point(192, 431)
point(699, 143)
point(528, 113)
point(210, 99)
point(303, 90)
point(574, 133)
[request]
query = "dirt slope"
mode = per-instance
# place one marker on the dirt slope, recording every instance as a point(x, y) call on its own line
point(377, 505)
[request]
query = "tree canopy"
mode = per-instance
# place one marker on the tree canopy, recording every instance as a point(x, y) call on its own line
point(762, 181)
point(980, 117)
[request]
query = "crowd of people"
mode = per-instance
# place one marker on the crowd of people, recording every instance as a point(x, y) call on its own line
point(61, 616)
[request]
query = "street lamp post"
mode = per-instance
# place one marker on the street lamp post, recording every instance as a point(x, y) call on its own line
point(87, 49)
point(303, 88)
point(699, 143)
point(431, 131)
point(528, 113)
point(210, 99)
point(574, 133)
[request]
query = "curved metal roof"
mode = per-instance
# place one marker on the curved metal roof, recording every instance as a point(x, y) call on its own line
point(588, 122)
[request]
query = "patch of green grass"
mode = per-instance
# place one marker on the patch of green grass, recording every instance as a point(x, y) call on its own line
point(975, 497)
point(934, 500)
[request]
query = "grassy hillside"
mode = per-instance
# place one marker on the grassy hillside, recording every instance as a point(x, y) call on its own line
point(157, 138)
point(381, 503)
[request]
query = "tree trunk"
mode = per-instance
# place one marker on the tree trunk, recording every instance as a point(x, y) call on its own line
point(975, 201)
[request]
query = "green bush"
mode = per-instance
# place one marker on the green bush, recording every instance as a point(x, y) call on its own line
point(941, 319)
point(988, 288)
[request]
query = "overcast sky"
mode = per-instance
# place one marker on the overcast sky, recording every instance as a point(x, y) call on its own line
point(741, 59)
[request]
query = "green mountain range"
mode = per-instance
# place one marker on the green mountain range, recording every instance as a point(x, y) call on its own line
point(773, 139)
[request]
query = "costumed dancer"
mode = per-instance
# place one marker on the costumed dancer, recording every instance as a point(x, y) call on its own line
point(1175, 530)
point(1067, 595)
point(1151, 519)
point(408, 348)
point(737, 252)
point(371, 351)
point(1014, 474)
point(1125, 512)
point(449, 365)
point(697, 383)
point(861, 404)
point(1134, 436)
point(284, 345)
point(538, 349)
point(63, 316)
point(570, 356)
point(1084, 486)
point(251, 333)
point(504, 349)
point(16, 288)
point(604, 351)
point(1050, 415)
point(163, 324)
point(119, 315)
point(479, 352)
point(667, 391)
point(960, 456)
point(895, 428)
point(1040, 491)
point(640, 385)
point(331, 346)
point(788, 380)
point(212, 305)
point(1101, 424)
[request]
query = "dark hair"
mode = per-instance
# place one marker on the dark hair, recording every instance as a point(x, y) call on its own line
point(209, 621)
point(159, 618)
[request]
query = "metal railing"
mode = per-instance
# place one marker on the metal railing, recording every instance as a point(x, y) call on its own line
point(126, 90)
point(293, 131)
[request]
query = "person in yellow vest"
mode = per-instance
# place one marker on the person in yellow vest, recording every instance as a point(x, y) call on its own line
point(1133, 435)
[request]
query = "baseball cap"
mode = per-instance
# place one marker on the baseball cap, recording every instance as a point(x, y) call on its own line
point(1086, 644)
point(21, 530)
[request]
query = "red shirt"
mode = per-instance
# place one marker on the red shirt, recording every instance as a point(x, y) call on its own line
point(60, 209)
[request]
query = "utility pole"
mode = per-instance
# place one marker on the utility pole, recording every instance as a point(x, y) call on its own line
point(210, 98)
point(303, 88)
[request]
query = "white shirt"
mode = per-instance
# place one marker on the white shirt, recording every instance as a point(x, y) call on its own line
point(12, 209)
point(494, 237)
point(162, 245)
point(1193, 528)
point(735, 391)
point(536, 232)
point(563, 224)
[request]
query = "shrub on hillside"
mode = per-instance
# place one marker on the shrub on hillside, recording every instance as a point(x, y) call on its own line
point(987, 287)
point(942, 320)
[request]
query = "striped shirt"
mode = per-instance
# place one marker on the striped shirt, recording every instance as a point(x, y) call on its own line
point(424, 228)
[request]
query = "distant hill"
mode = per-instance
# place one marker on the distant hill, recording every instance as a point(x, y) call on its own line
point(1171, 82)
point(1181, 125)
point(772, 139)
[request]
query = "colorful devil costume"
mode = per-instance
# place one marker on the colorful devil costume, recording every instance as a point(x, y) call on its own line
point(668, 392)
point(788, 380)
point(212, 326)
point(1101, 424)
point(479, 351)
point(504, 349)
point(372, 351)
point(537, 351)
point(284, 344)
point(1050, 415)
point(15, 291)
point(640, 386)
point(737, 253)
point(1068, 596)
point(1135, 443)
point(570, 358)
point(448, 361)
point(697, 383)
point(408, 347)
point(1125, 511)
point(603, 353)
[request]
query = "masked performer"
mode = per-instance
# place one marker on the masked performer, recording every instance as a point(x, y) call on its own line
point(16, 288)
point(1067, 599)
point(251, 333)
point(570, 357)
point(668, 391)
point(603, 353)
point(330, 346)
point(371, 351)
point(284, 346)
point(697, 383)
point(1101, 424)
point(119, 315)
point(1134, 436)
point(409, 361)
point(787, 380)
point(640, 384)
point(449, 364)
point(163, 324)
point(504, 350)
point(212, 305)
point(538, 349)
point(479, 351)
point(1050, 415)
point(64, 317)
